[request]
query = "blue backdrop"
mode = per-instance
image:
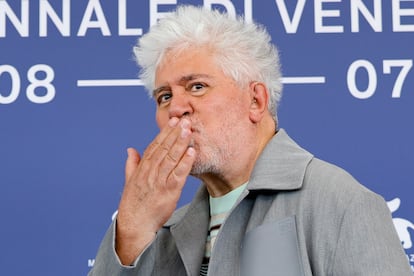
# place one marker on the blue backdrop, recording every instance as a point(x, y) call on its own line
point(70, 105)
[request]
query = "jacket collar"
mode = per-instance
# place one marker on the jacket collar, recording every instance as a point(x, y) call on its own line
point(281, 166)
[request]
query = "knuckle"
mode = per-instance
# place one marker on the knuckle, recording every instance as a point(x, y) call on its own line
point(151, 148)
point(171, 157)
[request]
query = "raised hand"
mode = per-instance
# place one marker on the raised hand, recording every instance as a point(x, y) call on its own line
point(153, 187)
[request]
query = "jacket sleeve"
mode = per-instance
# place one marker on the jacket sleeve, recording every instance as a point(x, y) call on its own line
point(368, 243)
point(107, 262)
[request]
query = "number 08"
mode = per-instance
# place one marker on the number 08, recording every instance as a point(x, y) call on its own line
point(36, 83)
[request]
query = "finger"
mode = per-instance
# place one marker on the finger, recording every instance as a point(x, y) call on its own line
point(132, 162)
point(180, 173)
point(175, 152)
point(164, 149)
point(158, 141)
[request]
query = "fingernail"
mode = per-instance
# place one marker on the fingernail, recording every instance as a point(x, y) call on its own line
point(185, 123)
point(190, 151)
point(173, 121)
point(185, 132)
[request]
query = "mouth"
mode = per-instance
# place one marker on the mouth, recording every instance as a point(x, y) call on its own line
point(191, 145)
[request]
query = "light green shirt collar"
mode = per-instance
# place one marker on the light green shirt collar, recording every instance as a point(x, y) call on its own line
point(223, 204)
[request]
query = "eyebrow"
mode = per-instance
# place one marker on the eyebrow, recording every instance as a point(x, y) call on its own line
point(182, 80)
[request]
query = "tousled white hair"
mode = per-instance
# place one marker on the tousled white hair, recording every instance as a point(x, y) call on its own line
point(243, 51)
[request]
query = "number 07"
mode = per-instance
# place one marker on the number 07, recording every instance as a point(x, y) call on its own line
point(387, 64)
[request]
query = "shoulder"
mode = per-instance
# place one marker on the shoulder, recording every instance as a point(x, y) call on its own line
point(333, 192)
point(323, 176)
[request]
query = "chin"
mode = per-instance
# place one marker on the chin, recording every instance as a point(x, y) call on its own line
point(200, 168)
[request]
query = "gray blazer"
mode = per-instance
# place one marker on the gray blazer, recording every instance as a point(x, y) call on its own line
point(298, 216)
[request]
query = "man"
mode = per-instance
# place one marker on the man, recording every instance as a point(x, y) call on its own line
point(266, 206)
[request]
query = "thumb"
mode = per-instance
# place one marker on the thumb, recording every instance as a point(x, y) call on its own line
point(131, 162)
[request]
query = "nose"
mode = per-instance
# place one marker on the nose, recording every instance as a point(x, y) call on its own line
point(180, 105)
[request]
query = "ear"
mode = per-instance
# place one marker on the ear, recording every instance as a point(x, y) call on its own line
point(259, 96)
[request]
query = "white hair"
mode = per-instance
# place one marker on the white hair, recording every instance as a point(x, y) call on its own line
point(243, 51)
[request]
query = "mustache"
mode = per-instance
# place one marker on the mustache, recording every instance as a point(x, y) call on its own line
point(194, 129)
point(195, 125)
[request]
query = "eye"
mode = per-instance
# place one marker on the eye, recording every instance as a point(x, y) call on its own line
point(197, 87)
point(163, 98)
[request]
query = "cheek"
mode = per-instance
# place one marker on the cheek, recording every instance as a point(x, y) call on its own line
point(236, 108)
point(161, 118)
point(225, 118)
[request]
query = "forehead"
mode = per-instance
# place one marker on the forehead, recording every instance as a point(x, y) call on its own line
point(177, 63)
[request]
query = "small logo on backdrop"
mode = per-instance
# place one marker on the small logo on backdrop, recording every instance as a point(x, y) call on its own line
point(403, 227)
point(91, 262)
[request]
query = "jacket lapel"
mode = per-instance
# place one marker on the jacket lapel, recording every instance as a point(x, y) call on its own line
point(189, 229)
